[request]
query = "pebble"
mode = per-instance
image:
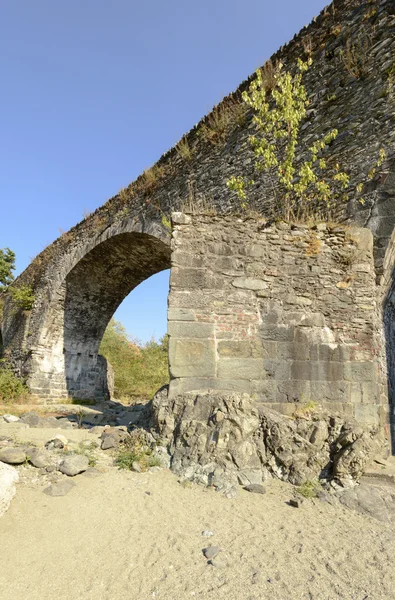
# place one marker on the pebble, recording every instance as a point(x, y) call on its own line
point(296, 502)
point(207, 533)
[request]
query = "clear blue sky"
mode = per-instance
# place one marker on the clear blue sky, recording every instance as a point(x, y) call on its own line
point(94, 91)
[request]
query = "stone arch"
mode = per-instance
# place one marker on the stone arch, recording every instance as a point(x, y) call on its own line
point(79, 302)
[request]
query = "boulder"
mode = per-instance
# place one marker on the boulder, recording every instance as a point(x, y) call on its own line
point(8, 478)
point(12, 456)
point(74, 464)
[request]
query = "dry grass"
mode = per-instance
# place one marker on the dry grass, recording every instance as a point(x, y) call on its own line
point(356, 56)
point(184, 150)
point(222, 120)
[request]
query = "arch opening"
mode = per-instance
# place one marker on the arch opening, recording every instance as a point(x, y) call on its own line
point(95, 288)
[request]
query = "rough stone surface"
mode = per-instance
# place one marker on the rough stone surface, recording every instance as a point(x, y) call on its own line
point(10, 418)
point(251, 442)
point(74, 464)
point(8, 478)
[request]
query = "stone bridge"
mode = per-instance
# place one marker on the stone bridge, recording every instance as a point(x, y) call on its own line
point(80, 280)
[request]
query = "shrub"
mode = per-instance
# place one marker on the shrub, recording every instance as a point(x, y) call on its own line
point(23, 296)
point(136, 449)
point(11, 388)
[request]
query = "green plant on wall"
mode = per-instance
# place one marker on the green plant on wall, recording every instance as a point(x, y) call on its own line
point(278, 117)
point(303, 180)
point(23, 296)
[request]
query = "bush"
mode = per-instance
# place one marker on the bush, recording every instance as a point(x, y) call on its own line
point(139, 369)
point(11, 388)
point(23, 296)
point(136, 449)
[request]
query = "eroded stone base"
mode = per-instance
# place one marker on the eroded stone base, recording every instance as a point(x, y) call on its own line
point(222, 439)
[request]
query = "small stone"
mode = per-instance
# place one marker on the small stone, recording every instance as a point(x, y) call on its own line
point(12, 456)
point(211, 552)
point(10, 418)
point(74, 464)
point(59, 489)
point(207, 533)
point(255, 488)
point(296, 502)
point(136, 467)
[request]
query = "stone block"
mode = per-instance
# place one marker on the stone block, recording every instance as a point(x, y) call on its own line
point(180, 258)
point(249, 283)
point(180, 314)
point(186, 329)
point(240, 368)
point(360, 371)
point(264, 390)
point(192, 279)
point(277, 333)
point(234, 349)
point(330, 391)
point(317, 370)
point(293, 351)
point(192, 358)
point(367, 414)
point(293, 391)
point(277, 369)
point(204, 384)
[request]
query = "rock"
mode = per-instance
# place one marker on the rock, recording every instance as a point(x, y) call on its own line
point(207, 533)
point(109, 442)
point(375, 501)
point(59, 489)
point(12, 456)
point(255, 488)
point(211, 552)
point(10, 418)
point(40, 458)
point(56, 444)
point(31, 419)
point(296, 502)
point(74, 464)
point(8, 478)
point(136, 467)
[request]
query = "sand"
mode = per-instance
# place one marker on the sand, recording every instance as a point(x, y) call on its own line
point(132, 536)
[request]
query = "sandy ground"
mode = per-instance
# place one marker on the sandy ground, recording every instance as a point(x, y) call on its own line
point(131, 536)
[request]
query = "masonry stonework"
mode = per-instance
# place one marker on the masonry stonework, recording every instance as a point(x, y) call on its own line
point(286, 313)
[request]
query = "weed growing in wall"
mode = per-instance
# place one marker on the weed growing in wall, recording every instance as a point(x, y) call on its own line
point(23, 296)
point(303, 180)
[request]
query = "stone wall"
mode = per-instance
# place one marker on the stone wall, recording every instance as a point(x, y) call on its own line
point(284, 312)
